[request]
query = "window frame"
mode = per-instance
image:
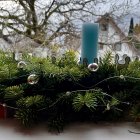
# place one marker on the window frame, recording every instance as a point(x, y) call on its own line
point(104, 27)
point(101, 46)
point(118, 46)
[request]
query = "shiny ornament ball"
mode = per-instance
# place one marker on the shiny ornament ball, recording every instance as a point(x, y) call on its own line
point(68, 93)
point(32, 79)
point(4, 105)
point(108, 107)
point(21, 65)
point(93, 67)
point(121, 76)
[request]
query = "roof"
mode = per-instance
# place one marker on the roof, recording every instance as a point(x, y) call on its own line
point(109, 19)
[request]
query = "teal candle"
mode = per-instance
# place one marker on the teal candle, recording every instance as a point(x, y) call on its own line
point(89, 42)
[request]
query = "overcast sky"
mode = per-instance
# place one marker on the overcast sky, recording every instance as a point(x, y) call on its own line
point(101, 7)
point(9, 3)
point(133, 8)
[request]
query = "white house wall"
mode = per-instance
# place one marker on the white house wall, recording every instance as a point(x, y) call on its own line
point(112, 37)
point(41, 52)
point(4, 46)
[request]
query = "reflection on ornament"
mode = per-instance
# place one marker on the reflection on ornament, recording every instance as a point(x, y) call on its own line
point(21, 64)
point(121, 77)
point(127, 103)
point(93, 67)
point(108, 107)
point(68, 93)
point(32, 79)
point(4, 105)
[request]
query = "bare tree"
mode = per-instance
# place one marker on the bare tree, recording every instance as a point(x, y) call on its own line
point(45, 21)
